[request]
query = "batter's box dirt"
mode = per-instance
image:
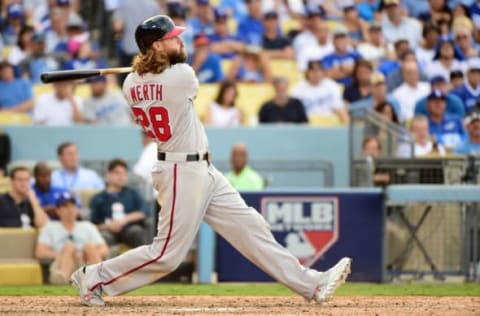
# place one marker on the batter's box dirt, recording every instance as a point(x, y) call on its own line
point(242, 305)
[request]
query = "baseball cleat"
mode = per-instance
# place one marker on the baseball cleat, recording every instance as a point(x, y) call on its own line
point(87, 297)
point(334, 277)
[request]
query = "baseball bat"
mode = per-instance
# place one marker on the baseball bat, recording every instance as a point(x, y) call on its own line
point(63, 75)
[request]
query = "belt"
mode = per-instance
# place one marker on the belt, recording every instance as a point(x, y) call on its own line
point(170, 156)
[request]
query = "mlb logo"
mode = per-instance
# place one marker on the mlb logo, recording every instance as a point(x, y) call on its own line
point(307, 226)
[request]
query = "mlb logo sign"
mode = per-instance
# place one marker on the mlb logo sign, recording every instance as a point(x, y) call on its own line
point(307, 226)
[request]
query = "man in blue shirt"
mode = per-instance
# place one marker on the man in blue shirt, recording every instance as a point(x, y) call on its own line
point(202, 23)
point(454, 104)
point(250, 29)
point(471, 145)
point(446, 128)
point(222, 42)
point(71, 176)
point(16, 95)
point(339, 64)
point(46, 193)
point(206, 64)
point(469, 92)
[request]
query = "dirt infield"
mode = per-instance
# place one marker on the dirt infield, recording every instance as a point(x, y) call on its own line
point(242, 305)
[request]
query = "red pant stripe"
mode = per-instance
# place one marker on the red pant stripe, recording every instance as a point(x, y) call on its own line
point(172, 212)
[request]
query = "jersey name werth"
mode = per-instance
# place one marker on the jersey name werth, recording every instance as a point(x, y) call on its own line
point(146, 92)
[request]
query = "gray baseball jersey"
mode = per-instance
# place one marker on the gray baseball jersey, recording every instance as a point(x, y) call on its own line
point(189, 192)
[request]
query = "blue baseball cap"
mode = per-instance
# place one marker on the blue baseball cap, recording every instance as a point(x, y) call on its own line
point(15, 10)
point(270, 15)
point(96, 79)
point(63, 2)
point(314, 10)
point(64, 198)
point(436, 94)
point(203, 2)
point(438, 78)
point(220, 14)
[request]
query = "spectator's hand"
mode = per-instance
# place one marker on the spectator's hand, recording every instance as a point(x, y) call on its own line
point(116, 225)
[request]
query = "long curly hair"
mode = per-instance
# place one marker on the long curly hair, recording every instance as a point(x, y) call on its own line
point(152, 61)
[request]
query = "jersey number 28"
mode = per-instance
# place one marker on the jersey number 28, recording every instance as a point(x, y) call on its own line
point(155, 123)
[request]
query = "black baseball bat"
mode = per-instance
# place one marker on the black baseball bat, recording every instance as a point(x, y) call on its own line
point(63, 75)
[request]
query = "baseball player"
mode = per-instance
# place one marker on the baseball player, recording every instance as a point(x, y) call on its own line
point(161, 90)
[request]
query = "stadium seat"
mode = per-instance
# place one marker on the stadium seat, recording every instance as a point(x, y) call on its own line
point(226, 64)
point(206, 94)
point(251, 97)
point(288, 69)
point(18, 265)
point(289, 25)
point(11, 118)
point(29, 164)
point(324, 120)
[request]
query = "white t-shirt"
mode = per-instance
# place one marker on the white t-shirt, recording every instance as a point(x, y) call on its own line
point(419, 150)
point(307, 48)
point(435, 68)
point(51, 111)
point(408, 96)
point(56, 236)
point(224, 117)
point(323, 98)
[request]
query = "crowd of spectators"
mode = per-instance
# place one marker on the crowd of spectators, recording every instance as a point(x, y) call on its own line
point(401, 58)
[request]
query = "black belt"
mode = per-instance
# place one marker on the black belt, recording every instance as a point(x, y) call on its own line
point(188, 157)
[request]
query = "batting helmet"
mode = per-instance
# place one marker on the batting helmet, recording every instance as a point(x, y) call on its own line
point(155, 28)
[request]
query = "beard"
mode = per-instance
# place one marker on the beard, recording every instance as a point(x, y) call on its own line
point(177, 57)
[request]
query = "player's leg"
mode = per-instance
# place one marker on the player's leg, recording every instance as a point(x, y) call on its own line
point(250, 234)
point(183, 187)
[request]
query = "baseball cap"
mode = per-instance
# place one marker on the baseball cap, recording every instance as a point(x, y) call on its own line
point(96, 79)
point(314, 64)
point(270, 15)
point(63, 3)
point(63, 198)
point(377, 78)
point(391, 2)
point(375, 26)
point(38, 37)
point(438, 78)
point(473, 63)
point(340, 30)
point(314, 10)
point(203, 2)
point(200, 40)
point(177, 10)
point(472, 116)
point(15, 10)
point(74, 20)
point(436, 94)
point(220, 14)
point(347, 4)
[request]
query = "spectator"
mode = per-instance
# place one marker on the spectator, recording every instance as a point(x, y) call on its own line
point(439, 12)
point(70, 243)
point(5, 152)
point(234, 8)
point(202, 21)
point(119, 211)
point(250, 29)
point(360, 87)
point(282, 108)
point(469, 92)
point(339, 64)
point(356, 27)
point(20, 206)
point(396, 25)
point(371, 147)
point(228, 46)
point(83, 55)
point(253, 66)
point(447, 129)
point(71, 176)
point(39, 60)
point(416, 7)
point(320, 94)
point(314, 42)
point(126, 18)
point(456, 79)
point(471, 144)
point(46, 193)
point(374, 48)
point(104, 105)
point(426, 50)
point(447, 59)
point(223, 111)
point(464, 41)
point(16, 95)
point(242, 177)
point(23, 47)
point(379, 95)
point(387, 111)
point(395, 77)
point(411, 91)
point(275, 44)
point(60, 107)
point(178, 12)
point(454, 104)
point(14, 23)
point(57, 33)
point(206, 64)
point(424, 144)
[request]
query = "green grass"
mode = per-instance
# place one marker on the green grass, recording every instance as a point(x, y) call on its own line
point(265, 289)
